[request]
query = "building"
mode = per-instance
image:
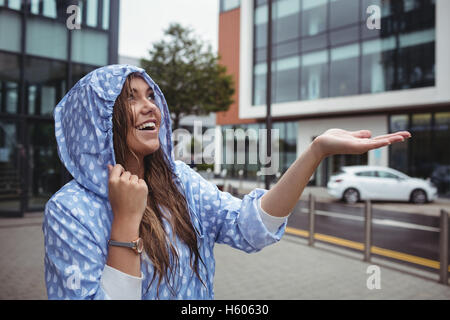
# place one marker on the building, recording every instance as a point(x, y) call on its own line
point(333, 68)
point(44, 51)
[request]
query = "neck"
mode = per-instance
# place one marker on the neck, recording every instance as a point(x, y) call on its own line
point(135, 167)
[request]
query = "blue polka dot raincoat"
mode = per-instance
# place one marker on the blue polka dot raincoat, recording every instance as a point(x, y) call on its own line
point(78, 217)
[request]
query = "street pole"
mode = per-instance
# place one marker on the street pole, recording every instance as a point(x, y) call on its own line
point(269, 92)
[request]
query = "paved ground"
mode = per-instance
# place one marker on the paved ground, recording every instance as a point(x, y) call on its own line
point(287, 270)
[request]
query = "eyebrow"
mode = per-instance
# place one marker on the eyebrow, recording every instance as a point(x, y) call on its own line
point(148, 90)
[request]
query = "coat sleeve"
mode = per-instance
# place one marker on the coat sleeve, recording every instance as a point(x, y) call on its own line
point(225, 218)
point(74, 261)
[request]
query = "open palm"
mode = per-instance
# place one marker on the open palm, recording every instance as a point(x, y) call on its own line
point(338, 141)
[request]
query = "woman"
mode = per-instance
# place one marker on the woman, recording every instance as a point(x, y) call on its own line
point(134, 223)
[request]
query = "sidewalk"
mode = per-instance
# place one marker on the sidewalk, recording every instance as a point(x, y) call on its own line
point(286, 270)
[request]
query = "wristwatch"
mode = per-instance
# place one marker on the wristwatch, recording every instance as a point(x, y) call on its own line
point(137, 245)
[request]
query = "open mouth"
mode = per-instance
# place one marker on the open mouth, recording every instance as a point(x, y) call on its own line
point(149, 126)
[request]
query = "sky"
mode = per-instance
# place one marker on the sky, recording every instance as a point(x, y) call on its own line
point(142, 22)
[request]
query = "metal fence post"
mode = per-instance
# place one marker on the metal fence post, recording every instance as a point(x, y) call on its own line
point(312, 205)
point(367, 230)
point(443, 248)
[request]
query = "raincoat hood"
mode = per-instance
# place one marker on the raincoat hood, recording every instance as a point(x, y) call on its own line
point(83, 125)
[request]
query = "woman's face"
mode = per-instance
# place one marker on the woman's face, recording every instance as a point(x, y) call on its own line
point(142, 137)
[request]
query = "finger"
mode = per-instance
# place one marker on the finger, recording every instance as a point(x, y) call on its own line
point(134, 179)
point(403, 134)
point(116, 171)
point(125, 176)
point(361, 134)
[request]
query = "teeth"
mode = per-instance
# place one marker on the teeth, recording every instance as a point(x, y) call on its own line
point(147, 125)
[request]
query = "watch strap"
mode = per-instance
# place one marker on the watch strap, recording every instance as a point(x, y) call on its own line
point(131, 245)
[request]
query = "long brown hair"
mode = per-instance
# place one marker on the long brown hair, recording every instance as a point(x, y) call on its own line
point(162, 194)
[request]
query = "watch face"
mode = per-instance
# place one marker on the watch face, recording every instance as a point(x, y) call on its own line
point(139, 245)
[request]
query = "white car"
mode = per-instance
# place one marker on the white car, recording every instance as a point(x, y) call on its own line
point(355, 183)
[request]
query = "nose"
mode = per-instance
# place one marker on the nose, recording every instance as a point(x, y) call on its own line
point(149, 107)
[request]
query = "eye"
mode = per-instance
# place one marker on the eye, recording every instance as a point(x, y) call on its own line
point(151, 96)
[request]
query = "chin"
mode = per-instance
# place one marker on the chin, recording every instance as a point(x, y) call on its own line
point(151, 148)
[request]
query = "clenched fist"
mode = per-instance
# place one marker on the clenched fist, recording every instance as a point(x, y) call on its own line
point(127, 195)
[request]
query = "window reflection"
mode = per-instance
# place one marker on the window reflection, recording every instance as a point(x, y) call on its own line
point(10, 188)
point(343, 12)
point(45, 85)
point(314, 73)
point(344, 70)
point(399, 56)
point(44, 168)
point(9, 83)
point(314, 17)
point(286, 79)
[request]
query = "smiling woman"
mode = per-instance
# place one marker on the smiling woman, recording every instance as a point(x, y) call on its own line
point(139, 224)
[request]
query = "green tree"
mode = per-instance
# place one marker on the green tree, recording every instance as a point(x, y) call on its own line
point(189, 75)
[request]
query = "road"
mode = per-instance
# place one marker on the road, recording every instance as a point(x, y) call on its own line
point(411, 234)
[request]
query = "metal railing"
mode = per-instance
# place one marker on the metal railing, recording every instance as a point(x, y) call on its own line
point(443, 239)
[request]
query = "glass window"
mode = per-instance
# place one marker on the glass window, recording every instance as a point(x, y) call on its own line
point(343, 12)
point(34, 6)
point(44, 175)
point(314, 75)
point(287, 79)
point(46, 81)
point(90, 47)
point(398, 153)
point(10, 152)
point(421, 155)
point(259, 84)
point(286, 24)
point(226, 5)
point(92, 13)
point(14, 4)
point(10, 24)
point(314, 17)
point(378, 66)
point(285, 49)
point(106, 14)
point(385, 174)
point(344, 70)
point(314, 43)
point(2, 2)
point(441, 173)
point(416, 67)
point(345, 35)
point(46, 38)
point(366, 174)
point(79, 71)
point(9, 83)
point(49, 8)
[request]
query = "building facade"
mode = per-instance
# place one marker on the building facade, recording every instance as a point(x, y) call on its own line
point(382, 65)
point(46, 46)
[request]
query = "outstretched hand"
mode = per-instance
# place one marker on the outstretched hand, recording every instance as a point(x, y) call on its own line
point(338, 141)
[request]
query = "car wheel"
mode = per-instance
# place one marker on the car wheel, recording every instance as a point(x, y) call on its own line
point(351, 196)
point(418, 197)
